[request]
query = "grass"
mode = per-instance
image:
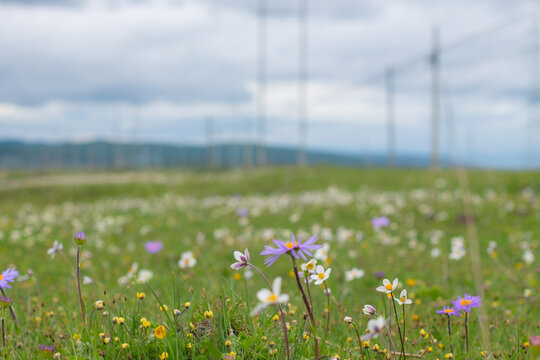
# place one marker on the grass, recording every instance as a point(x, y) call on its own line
point(198, 212)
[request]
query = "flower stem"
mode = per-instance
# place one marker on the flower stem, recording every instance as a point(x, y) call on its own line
point(398, 326)
point(4, 338)
point(359, 340)
point(467, 334)
point(308, 308)
point(450, 335)
point(79, 285)
point(281, 313)
point(328, 313)
point(403, 305)
point(12, 312)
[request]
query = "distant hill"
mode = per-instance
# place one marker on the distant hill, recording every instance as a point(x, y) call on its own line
point(102, 154)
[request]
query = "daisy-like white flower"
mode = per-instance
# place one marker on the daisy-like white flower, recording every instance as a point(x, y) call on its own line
point(309, 266)
point(374, 327)
point(8, 276)
point(354, 274)
point(144, 276)
point(187, 260)
point(269, 297)
point(242, 260)
point(388, 286)
point(403, 298)
point(322, 252)
point(320, 275)
point(56, 248)
point(296, 248)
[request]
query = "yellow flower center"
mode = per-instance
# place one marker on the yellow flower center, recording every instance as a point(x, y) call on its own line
point(388, 286)
point(449, 311)
point(1, 277)
point(320, 275)
point(465, 302)
point(402, 299)
point(310, 266)
point(291, 245)
point(272, 298)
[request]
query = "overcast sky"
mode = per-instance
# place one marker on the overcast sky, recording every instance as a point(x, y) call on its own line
point(77, 70)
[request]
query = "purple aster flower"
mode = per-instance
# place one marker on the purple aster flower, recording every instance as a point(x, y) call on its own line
point(47, 349)
point(379, 274)
point(447, 310)
point(294, 247)
point(153, 246)
point(467, 303)
point(5, 302)
point(242, 212)
point(242, 260)
point(80, 238)
point(8, 276)
point(379, 222)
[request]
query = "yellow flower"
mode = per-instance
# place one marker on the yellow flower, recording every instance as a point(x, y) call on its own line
point(164, 355)
point(76, 337)
point(228, 343)
point(519, 266)
point(449, 356)
point(189, 346)
point(275, 318)
point(99, 305)
point(106, 340)
point(376, 347)
point(187, 304)
point(237, 276)
point(164, 307)
point(291, 273)
point(410, 282)
point(125, 346)
point(208, 314)
point(160, 332)
point(141, 295)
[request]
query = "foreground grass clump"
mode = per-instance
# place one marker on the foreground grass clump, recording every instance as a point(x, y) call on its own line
point(156, 279)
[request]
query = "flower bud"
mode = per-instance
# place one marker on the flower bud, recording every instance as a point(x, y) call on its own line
point(80, 238)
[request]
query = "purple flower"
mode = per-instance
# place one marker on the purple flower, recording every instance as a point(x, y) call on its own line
point(8, 276)
point(242, 212)
point(242, 259)
point(294, 247)
point(47, 349)
point(467, 303)
point(379, 222)
point(447, 310)
point(153, 246)
point(80, 238)
point(379, 274)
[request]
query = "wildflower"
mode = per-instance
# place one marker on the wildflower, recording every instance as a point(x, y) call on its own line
point(144, 276)
point(403, 298)
point(322, 252)
point(269, 297)
point(374, 327)
point(228, 343)
point(164, 355)
point(5, 302)
point(348, 320)
point(388, 286)
point(187, 260)
point(309, 266)
point(534, 346)
point(491, 250)
point(56, 248)
point(187, 304)
point(208, 314)
point(528, 256)
point(153, 247)
point(107, 340)
point(160, 332)
point(99, 305)
point(369, 310)
point(294, 247)
point(380, 222)
point(458, 248)
point(141, 295)
point(467, 303)
point(87, 280)
point(379, 274)
point(410, 282)
point(435, 253)
point(177, 312)
point(47, 349)
point(124, 346)
point(242, 259)
point(353, 274)
point(447, 310)
point(8, 276)
point(321, 275)
point(80, 238)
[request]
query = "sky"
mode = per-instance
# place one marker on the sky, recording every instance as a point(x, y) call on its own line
point(158, 70)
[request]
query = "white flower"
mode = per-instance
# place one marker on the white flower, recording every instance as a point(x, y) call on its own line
point(309, 266)
point(144, 276)
point(87, 280)
point(492, 247)
point(403, 298)
point(56, 248)
point(374, 327)
point(458, 248)
point(270, 297)
point(369, 310)
point(320, 275)
point(354, 273)
point(528, 256)
point(322, 252)
point(348, 320)
point(388, 286)
point(187, 260)
point(435, 253)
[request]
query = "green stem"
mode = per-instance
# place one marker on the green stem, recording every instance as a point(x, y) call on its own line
point(450, 335)
point(398, 326)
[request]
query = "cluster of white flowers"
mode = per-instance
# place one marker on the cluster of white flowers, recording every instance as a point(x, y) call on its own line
point(458, 248)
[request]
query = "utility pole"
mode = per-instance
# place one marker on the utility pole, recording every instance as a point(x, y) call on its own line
point(261, 94)
point(435, 69)
point(303, 81)
point(390, 116)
